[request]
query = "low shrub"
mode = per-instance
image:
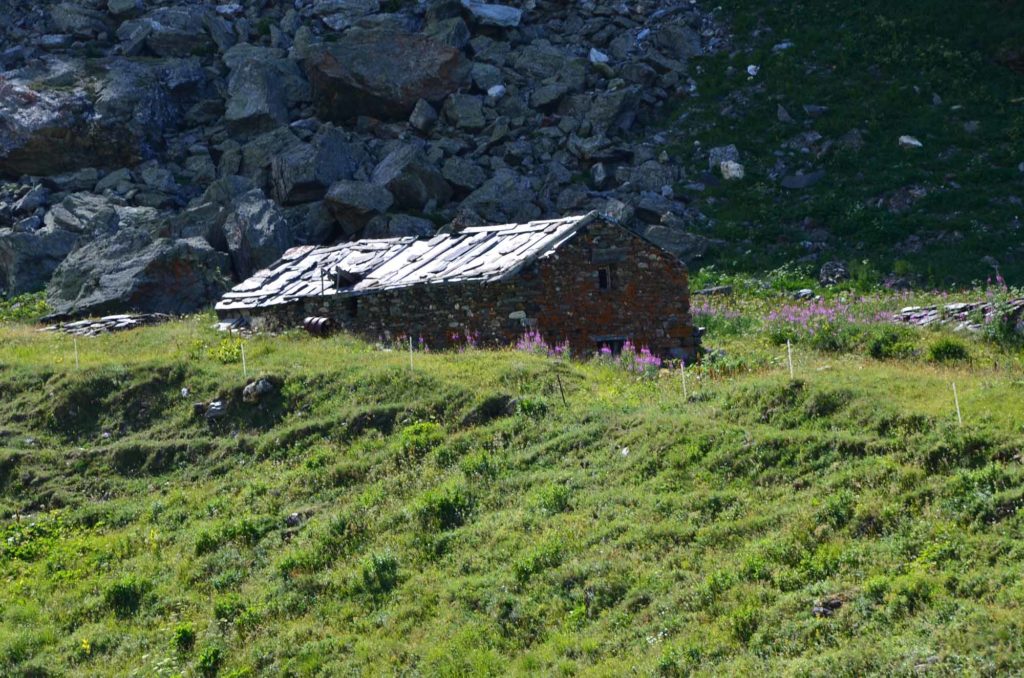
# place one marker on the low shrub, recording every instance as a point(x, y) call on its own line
point(444, 508)
point(125, 596)
point(209, 662)
point(420, 439)
point(379, 574)
point(888, 342)
point(537, 560)
point(184, 638)
point(948, 350)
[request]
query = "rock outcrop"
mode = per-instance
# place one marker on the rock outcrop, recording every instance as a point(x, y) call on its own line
point(170, 143)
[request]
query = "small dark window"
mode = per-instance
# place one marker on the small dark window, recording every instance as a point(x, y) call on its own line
point(604, 278)
point(353, 307)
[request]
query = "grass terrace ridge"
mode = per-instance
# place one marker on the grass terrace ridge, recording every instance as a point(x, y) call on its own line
point(461, 518)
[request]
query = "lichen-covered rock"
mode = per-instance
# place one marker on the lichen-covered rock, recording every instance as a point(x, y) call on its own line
point(303, 172)
point(354, 203)
point(28, 259)
point(381, 74)
point(411, 178)
point(256, 232)
point(131, 269)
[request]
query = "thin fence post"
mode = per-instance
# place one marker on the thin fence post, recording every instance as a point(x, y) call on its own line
point(789, 357)
point(78, 365)
point(558, 378)
point(956, 401)
point(245, 368)
point(682, 369)
point(410, 352)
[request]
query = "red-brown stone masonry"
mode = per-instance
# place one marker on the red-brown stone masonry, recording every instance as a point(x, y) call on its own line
point(647, 301)
point(558, 295)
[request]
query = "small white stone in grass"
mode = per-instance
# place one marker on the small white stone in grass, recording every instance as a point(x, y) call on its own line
point(185, 393)
point(731, 170)
point(907, 141)
point(753, 70)
point(625, 451)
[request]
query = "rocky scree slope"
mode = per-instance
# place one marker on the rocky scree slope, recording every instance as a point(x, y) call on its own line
point(151, 152)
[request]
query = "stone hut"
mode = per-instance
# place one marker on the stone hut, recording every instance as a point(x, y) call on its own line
point(583, 279)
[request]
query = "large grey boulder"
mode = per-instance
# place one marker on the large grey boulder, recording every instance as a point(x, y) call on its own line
point(132, 270)
point(303, 172)
point(256, 232)
point(256, 98)
point(381, 74)
point(28, 259)
point(354, 203)
point(169, 32)
point(465, 111)
point(614, 111)
point(341, 14)
point(463, 173)
point(488, 14)
point(91, 214)
point(412, 179)
point(48, 132)
point(274, 62)
point(506, 197)
point(82, 22)
point(118, 113)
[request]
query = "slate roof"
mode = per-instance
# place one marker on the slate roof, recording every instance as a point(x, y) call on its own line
point(478, 254)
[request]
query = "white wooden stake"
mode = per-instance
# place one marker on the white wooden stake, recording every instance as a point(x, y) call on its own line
point(410, 353)
point(245, 369)
point(956, 401)
point(78, 366)
point(789, 356)
point(682, 369)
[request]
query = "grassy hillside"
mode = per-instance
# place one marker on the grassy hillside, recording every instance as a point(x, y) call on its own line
point(949, 73)
point(459, 518)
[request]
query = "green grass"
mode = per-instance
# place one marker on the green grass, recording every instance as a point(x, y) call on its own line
point(369, 518)
point(876, 65)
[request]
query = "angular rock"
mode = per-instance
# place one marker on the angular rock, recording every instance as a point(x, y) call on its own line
point(488, 14)
point(465, 111)
point(548, 96)
point(507, 197)
point(833, 273)
point(451, 32)
point(37, 196)
point(124, 8)
point(257, 233)
point(27, 260)
point(381, 74)
point(168, 32)
point(612, 111)
point(256, 99)
point(354, 203)
point(423, 117)
point(83, 213)
point(686, 246)
point(48, 132)
point(82, 22)
point(732, 170)
point(411, 178)
point(132, 270)
point(304, 171)
point(463, 173)
point(719, 154)
point(340, 14)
